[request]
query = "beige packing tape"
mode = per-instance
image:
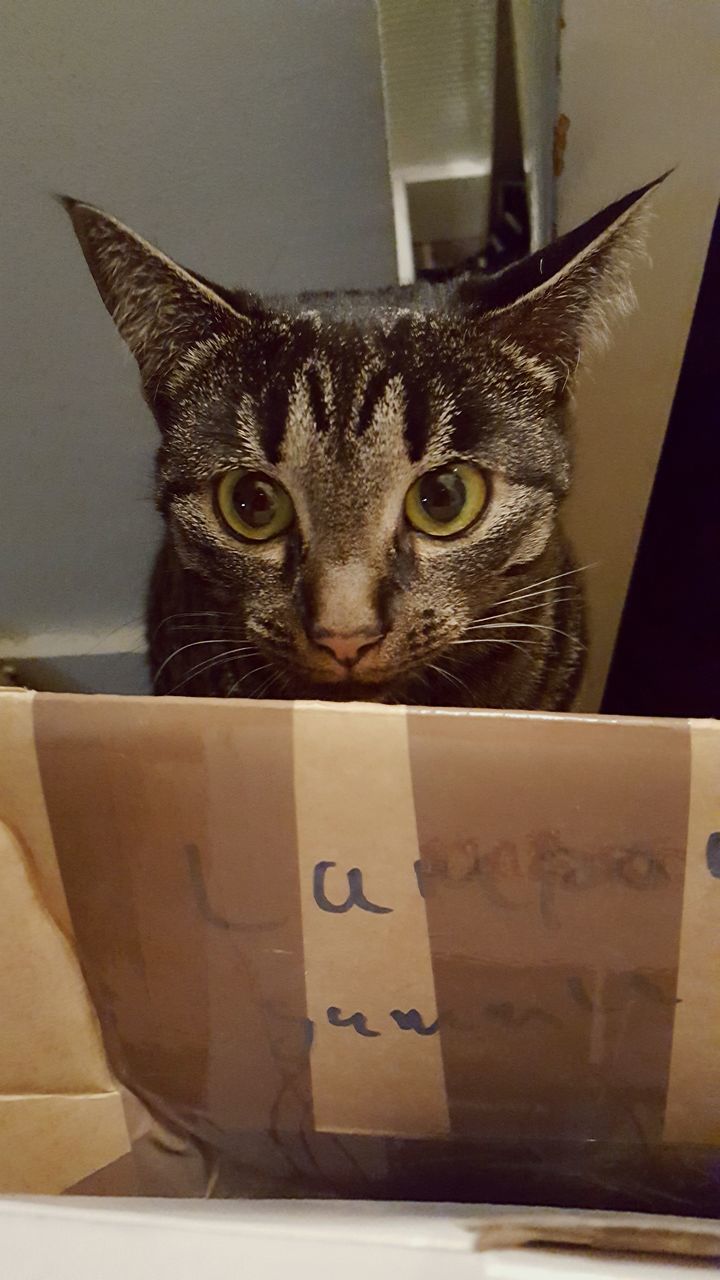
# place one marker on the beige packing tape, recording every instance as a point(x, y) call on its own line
point(61, 1117)
point(692, 1112)
point(22, 804)
point(354, 803)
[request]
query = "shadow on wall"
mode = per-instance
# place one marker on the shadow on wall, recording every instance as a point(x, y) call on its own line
point(667, 658)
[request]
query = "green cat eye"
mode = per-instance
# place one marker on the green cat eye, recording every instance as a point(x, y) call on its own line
point(253, 506)
point(447, 500)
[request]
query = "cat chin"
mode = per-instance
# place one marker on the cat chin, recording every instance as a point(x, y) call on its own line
point(346, 691)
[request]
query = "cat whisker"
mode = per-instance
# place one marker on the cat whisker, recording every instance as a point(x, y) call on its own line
point(424, 676)
point(555, 577)
point(540, 600)
point(267, 687)
point(545, 593)
point(224, 628)
point(107, 633)
point(265, 666)
point(209, 664)
point(199, 613)
point(566, 588)
point(452, 677)
point(538, 626)
point(192, 644)
point(283, 682)
point(529, 626)
point(511, 613)
point(521, 646)
point(449, 675)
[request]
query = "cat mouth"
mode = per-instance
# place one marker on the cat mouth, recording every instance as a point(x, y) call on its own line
point(348, 686)
point(347, 690)
point(362, 681)
point(381, 684)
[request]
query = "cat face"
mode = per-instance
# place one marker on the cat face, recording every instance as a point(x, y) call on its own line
point(355, 484)
point(355, 496)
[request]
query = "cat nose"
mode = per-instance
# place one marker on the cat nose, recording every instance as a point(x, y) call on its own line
point(346, 647)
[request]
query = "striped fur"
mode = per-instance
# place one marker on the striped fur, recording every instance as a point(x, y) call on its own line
point(346, 399)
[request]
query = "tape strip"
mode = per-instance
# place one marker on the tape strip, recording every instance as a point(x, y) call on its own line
point(60, 1115)
point(692, 1113)
point(22, 803)
point(376, 1059)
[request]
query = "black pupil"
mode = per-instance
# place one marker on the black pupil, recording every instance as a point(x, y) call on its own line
point(254, 500)
point(442, 495)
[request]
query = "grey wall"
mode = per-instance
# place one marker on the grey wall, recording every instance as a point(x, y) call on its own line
point(246, 137)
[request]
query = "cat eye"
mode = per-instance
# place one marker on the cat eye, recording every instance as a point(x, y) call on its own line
point(447, 500)
point(253, 506)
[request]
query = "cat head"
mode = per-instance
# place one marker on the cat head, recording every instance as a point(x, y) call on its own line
point(356, 479)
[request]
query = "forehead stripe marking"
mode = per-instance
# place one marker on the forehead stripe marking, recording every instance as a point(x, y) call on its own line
point(277, 403)
point(417, 420)
point(375, 389)
point(316, 394)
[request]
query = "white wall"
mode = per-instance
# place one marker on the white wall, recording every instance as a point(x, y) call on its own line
point(244, 136)
point(640, 83)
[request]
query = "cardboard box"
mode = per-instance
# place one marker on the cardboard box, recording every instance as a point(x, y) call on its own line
point(329, 945)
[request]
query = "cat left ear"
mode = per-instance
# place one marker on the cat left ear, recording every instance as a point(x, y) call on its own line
point(555, 304)
point(160, 309)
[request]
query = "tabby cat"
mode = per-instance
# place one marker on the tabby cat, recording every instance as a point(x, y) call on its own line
point(361, 490)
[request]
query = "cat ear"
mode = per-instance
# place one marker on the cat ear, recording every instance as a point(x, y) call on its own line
point(160, 309)
point(555, 304)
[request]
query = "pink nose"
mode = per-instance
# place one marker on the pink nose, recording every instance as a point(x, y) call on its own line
point(346, 649)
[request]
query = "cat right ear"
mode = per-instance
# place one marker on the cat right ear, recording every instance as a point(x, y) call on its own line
point(160, 309)
point(550, 307)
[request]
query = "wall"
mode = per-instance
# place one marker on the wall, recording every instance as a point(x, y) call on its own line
point(639, 82)
point(246, 137)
